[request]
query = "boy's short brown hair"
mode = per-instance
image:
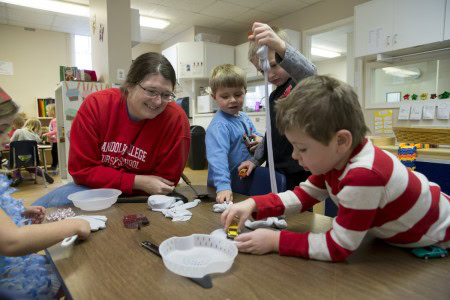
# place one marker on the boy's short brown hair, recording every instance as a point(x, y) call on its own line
point(253, 46)
point(227, 76)
point(321, 106)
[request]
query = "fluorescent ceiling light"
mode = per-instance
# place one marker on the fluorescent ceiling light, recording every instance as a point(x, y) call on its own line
point(54, 6)
point(414, 73)
point(153, 23)
point(324, 53)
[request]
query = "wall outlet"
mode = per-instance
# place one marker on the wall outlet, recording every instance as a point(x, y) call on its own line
point(120, 74)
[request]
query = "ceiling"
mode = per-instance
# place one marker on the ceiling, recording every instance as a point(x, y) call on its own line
point(225, 15)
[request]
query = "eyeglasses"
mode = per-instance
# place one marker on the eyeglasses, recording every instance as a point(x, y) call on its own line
point(153, 93)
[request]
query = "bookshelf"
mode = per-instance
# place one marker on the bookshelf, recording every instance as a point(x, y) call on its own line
point(42, 106)
point(42, 110)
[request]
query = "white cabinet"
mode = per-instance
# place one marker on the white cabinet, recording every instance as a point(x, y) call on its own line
point(259, 120)
point(197, 59)
point(241, 55)
point(171, 55)
point(447, 22)
point(387, 25)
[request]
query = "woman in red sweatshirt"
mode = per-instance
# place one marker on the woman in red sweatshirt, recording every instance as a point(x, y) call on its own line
point(135, 139)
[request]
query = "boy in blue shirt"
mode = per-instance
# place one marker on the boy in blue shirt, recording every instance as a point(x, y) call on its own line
point(225, 146)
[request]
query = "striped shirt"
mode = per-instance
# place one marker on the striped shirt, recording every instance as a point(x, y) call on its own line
point(374, 192)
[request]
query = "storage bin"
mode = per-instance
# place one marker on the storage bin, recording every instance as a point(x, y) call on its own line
point(422, 135)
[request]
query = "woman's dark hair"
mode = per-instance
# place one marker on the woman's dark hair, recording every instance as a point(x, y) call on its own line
point(150, 63)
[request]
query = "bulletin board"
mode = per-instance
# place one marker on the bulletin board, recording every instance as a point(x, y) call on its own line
point(383, 121)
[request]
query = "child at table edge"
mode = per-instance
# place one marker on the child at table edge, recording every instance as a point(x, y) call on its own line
point(374, 191)
point(21, 234)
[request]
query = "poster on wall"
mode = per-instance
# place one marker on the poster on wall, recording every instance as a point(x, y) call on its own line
point(383, 121)
point(429, 111)
point(405, 109)
point(443, 111)
point(416, 112)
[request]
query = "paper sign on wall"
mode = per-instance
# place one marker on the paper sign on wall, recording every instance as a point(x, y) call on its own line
point(416, 112)
point(405, 109)
point(429, 111)
point(6, 68)
point(383, 121)
point(443, 111)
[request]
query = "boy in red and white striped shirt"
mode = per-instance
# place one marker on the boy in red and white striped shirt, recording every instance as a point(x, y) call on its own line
point(374, 191)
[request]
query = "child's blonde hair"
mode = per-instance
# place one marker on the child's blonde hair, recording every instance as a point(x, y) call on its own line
point(33, 125)
point(320, 106)
point(50, 109)
point(227, 75)
point(18, 121)
point(253, 46)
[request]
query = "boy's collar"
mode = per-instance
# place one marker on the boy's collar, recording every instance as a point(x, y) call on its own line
point(358, 148)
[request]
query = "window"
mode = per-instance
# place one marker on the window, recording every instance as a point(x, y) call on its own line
point(82, 50)
point(388, 83)
point(254, 99)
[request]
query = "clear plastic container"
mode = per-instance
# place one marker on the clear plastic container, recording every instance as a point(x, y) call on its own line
point(198, 255)
point(95, 199)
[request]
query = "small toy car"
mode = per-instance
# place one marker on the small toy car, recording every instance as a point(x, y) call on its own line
point(232, 231)
point(430, 251)
point(243, 172)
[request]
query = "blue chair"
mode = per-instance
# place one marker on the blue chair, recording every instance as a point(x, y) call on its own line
point(24, 154)
point(258, 183)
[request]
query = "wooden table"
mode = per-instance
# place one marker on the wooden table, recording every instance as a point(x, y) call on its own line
point(111, 264)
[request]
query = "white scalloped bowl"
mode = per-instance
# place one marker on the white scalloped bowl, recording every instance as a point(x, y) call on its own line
point(95, 199)
point(198, 255)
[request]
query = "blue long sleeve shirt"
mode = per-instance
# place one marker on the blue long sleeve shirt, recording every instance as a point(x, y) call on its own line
point(225, 148)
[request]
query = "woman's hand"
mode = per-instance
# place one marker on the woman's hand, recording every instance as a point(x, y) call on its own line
point(241, 210)
point(260, 241)
point(224, 196)
point(153, 185)
point(256, 141)
point(35, 213)
point(264, 35)
point(247, 165)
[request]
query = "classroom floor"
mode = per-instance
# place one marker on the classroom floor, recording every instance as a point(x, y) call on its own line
point(29, 191)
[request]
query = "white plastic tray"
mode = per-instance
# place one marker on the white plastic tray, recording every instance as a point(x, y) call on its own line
point(198, 255)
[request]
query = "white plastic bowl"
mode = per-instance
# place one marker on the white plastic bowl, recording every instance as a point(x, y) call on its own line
point(198, 255)
point(96, 199)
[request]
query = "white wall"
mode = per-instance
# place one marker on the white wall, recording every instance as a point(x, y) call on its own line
point(336, 67)
point(226, 38)
point(185, 36)
point(142, 48)
point(36, 57)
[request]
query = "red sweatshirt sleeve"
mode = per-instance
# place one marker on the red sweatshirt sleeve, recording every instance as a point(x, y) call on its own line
point(85, 156)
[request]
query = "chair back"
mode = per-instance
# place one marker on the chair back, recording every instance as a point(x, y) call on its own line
point(23, 154)
point(258, 183)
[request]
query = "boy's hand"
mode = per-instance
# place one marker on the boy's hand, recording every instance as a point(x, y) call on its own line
point(224, 196)
point(260, 241)
point(241, 210)
point(35, 213)
point(247, 165)
point(153, 185)
point(264, 35)
point(256, 141)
